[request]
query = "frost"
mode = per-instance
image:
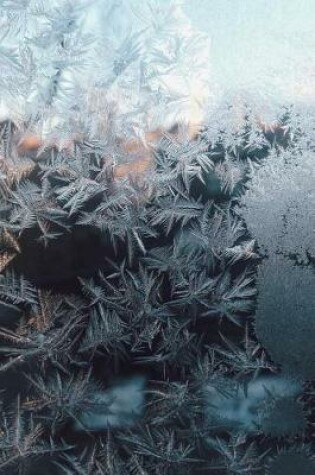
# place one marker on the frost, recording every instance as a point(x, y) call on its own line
point(70, 66)
point(279, 207)
point(279, 211)
point(230, 406)
point(291, 461)
point(284, 320)
point(163, 274)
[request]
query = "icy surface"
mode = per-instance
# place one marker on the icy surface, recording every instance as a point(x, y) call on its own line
point(148, 64)
point(228, 405)
point(279, 210)
point(284, 321)
point(280, 206)
point(122, 65)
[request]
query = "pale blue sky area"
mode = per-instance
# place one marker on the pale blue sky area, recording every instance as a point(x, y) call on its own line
point(266, 47)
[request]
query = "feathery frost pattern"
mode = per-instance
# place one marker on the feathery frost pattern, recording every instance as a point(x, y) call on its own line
point(156, 252)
